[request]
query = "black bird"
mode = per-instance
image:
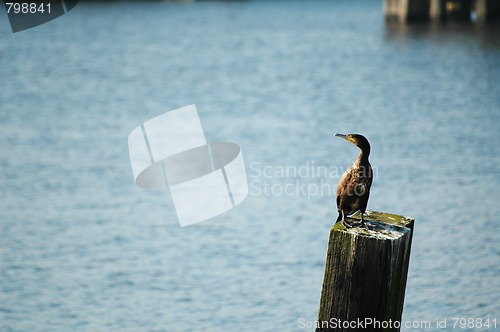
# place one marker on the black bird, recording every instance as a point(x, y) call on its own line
point(354, 186)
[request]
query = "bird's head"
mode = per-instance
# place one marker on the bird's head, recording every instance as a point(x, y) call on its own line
point(359, 140)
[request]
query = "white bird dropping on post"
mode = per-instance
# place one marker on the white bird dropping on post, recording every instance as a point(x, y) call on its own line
point(205, 179)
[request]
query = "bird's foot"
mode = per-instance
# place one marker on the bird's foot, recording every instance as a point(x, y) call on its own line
point(346, 224)
point(360, 224)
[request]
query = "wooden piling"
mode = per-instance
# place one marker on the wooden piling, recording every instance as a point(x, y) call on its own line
point(481, 11)
point(395, 11)
point(437, 11)
point(405, 11)
point(365, 274)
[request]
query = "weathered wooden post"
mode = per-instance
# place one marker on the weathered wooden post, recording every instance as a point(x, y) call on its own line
point(365, 274)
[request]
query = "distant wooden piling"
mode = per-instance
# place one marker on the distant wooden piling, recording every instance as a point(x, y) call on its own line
point(404, 11)
point(487, 10)
point(365, 274)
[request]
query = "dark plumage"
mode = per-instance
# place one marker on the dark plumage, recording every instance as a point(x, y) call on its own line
point(354, 186)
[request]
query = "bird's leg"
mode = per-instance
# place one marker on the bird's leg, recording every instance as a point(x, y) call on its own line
point(344, 222)
point(360, 223)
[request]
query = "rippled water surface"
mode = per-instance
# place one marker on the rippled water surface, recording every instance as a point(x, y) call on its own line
point(83, 249)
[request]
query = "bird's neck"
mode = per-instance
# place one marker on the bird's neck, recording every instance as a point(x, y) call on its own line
point(363, 157)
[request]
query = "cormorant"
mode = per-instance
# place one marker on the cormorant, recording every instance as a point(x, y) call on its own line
point(354, 186)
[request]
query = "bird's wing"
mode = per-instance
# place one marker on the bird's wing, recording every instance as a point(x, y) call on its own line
point(363, 199)
point(342, 186)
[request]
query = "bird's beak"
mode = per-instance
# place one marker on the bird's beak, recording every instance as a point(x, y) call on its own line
point(350, 140)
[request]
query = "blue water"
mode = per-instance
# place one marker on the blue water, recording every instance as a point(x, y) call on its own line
point(83, 249)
